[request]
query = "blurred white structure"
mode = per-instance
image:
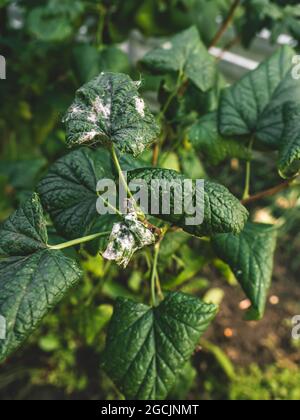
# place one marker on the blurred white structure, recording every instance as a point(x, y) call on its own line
point(2, 67)
point(2, 328)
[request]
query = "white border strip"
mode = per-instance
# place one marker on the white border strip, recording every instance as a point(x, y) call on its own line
point(232, 58)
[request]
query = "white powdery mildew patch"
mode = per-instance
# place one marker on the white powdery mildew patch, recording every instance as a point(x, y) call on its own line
point(75, 109)
point(138, 145)
point(126, 238)
point(73, 112)
point(167, 45)
point(88, 137)
point(140, 106)
point(92, 117)
point(101, 109)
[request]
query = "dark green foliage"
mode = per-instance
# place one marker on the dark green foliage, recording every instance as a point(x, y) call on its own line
point(254, 105)
point(167, 102)
point(158, 343)
point(223, 213)
point(33, 278)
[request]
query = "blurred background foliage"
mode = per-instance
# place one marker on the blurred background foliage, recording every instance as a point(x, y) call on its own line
point(52, 47)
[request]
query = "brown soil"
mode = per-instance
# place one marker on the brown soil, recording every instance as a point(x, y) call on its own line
point(263, 342)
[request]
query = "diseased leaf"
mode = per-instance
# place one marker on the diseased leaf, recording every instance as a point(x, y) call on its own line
point(185, 53)
point(205, 137)
point(33, 278)
point(126, 238)
point(223, 213)
point(254, 105)
point(250, 256)
point(148, 347)
point(108, 110)
point(289, 154)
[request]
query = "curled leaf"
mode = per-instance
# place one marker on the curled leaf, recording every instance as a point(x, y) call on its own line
point(126, 238)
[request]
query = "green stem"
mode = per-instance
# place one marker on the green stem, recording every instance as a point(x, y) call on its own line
point(246, 194)
point(155, 282)
point(161, 117)
point(120, 171)
point(123, 181)
point(110, 206)
point(154, 274)
point(171, 96)
point(101, 23)
point(158, 287)
point(78, 241)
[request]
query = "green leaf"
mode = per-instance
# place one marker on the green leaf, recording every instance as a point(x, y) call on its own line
point(192, 265)
point(223, 213)
point(89, 61)
point(86, 62)
point(114, 60)
point(33, 278)
point(289, 154)
point(68, 192)
point(190, 163)
point(250, 256)
point(205, 137)
point(185, 53)
point(22, 174)
point(92, 321)
point(108, 110)
point(55, 20)
point(25, 231)
point(5, 2)
point(254, 105)
point(147, 347)
point(184, 384)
